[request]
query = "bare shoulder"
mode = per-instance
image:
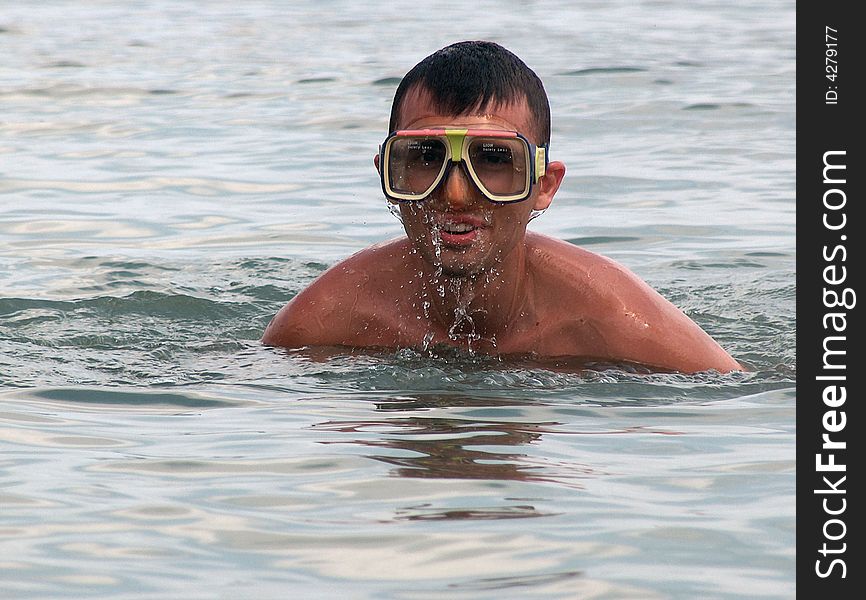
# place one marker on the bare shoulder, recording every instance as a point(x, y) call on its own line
point(591, 276)
point(593, 297)
point(558, 254)
point(339, 303)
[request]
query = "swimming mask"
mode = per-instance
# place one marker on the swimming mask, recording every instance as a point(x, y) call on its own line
point(502, 164)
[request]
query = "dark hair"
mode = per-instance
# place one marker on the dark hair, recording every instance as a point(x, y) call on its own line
point(473, 75)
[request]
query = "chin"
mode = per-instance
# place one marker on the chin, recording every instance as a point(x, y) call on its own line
point(468, 261)
point(458, 266)
point(459, 271)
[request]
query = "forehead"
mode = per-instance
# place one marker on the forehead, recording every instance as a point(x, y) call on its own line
point(418, 111)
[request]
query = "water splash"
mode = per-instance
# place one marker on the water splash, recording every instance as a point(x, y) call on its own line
point(463, 325)
point(425, 342)
point(394, 210)
point(437, 248)
point(536, 213)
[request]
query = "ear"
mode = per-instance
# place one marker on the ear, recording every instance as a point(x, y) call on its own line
point(376, 163)
point(548, 184)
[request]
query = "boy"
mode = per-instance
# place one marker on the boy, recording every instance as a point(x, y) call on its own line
point(467, 167)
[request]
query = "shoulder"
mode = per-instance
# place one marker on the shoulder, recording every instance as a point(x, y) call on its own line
point(340, 304)
point(592, 295)
point(598, 278)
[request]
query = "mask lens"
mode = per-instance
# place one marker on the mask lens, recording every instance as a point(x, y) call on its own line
point(415, 164)
point(500, 164)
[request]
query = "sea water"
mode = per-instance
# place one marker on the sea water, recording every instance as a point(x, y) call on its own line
point(172, 173)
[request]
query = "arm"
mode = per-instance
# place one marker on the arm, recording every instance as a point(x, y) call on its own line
point(344, 306)
point(610, 313)
point(654, 332)
point(320, 315)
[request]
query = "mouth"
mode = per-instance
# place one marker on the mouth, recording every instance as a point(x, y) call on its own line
point(459, 232)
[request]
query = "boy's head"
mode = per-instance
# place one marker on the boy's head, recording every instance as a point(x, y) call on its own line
point(469, 77)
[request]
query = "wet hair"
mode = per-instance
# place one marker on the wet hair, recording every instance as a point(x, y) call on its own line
point(469, 76)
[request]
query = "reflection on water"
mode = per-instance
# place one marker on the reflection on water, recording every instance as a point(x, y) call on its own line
point(162, 484)
point(425, 446)
point(451, 448)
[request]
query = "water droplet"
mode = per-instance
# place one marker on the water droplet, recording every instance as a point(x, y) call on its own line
point(535, 213)
point(395, 210)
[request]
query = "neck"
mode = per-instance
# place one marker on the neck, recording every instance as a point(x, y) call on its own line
point(481, 306)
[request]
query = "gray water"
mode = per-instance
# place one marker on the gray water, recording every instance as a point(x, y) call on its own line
point(172, 173)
